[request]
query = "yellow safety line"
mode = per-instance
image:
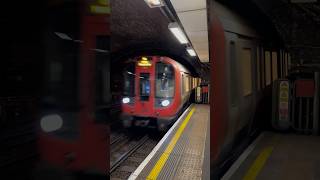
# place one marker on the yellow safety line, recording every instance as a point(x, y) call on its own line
point(258, 164)
point(164, 157)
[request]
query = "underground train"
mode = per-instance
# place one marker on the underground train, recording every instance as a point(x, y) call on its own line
point(156, 90)
point(73, 135)
point(243, 66)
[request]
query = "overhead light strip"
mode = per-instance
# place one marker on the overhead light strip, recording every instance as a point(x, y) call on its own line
point(178, 33)
point(154, 3)
point(191, 52)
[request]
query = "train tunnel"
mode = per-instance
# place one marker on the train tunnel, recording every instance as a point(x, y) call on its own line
point(160, 89)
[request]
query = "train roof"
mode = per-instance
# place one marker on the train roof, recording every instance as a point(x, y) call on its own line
point(233, 22)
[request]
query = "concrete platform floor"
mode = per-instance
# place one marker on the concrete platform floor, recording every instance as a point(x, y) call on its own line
point(281, 157)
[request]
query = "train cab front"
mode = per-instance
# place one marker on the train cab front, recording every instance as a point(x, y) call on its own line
point(148, 93)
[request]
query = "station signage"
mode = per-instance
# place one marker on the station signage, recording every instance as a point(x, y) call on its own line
point(144, 62)
point(283, 101)
point(100, 7)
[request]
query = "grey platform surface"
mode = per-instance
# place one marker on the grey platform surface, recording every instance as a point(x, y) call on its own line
point(294, 157)
point(187, 158)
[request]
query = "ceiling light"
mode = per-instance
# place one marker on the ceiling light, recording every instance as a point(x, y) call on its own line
point(63, 36)
point(154, 3)
point(191, 52)
point(178, 33)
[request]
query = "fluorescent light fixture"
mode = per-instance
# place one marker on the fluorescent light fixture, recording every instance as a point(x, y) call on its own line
point(191, 52)
point(178, 33)
point(154, 3)
point(63, 36)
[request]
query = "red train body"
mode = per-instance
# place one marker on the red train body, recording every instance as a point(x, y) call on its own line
point(71, 139)
point(156, 89)
point(241, 81)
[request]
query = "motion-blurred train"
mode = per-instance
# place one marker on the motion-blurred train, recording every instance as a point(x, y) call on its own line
point(72, 129)
point(156, 90)
point(244, 62)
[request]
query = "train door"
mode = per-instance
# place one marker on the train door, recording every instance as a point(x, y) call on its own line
point(233, 89)
point(247, 85)
point(145, 89)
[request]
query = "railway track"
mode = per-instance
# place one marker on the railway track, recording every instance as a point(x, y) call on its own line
point(127, 153)
point(120, 153)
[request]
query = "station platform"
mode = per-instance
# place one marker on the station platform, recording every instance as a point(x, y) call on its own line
point(278, 156)
point(180, 153)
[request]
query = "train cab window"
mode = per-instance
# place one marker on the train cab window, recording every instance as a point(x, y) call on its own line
point(246, 71)
point(102, 79)
point(164, 80)
point(267, 65)
point(62, 63)
point(129, 78)
point(145, 88)
point(103, 95)
point(63, 69)
point(274, 66)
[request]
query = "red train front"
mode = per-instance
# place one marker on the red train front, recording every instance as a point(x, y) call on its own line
point(155, 91)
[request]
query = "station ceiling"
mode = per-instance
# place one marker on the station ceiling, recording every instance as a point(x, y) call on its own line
point(193, 17)
point(297, 22)
point(137, 29)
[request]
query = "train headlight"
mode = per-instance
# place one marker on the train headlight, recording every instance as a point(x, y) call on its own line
point(51, 123)
point(125, 100)
point(165, 103)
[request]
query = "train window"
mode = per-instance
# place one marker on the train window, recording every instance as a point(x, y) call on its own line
point(262, 67)
point(274, 66)
point(164, 80)
point(258, 69)
point(233, 74)
point(129, 77)
point(144, 86)
point(286, 63)
point(63, 68)
point(62, 63)
point(267, 66)
point(103, 95)
point(282, 64)
point(186, 83)
point(246, 71)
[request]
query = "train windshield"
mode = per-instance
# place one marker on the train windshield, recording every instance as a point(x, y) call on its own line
point(62, 61)
point(129, 77)
point(164, 80)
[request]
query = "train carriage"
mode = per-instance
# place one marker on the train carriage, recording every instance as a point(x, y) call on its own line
point(73, 131)
point(156, 89)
